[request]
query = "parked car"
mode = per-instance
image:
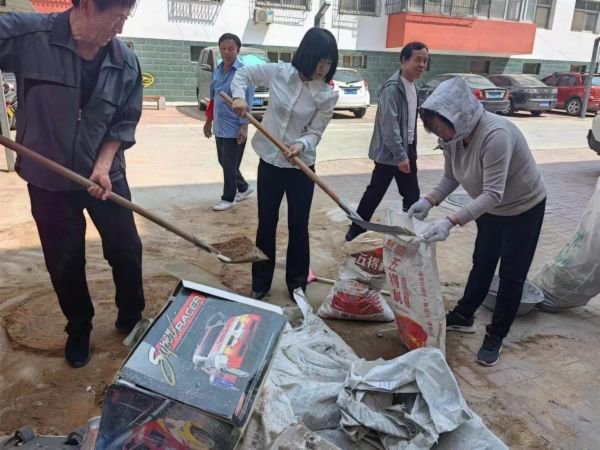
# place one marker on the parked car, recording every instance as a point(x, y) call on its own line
point(493, 98)
point(571, 91)
point(353, 91)
point(210, 58)
point(527, 93)
point(594, 135)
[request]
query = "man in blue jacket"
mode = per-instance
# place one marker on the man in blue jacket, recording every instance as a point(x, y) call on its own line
point(80, 99)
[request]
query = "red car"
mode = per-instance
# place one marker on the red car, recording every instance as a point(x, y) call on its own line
point(223, 348)
point(571, 91)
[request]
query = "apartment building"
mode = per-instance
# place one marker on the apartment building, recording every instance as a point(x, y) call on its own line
point(479, 36)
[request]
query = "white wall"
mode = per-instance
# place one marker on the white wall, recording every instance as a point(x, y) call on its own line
point(559, 42)
point(151, 21)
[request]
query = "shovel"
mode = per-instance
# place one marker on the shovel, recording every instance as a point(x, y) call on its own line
point(352, 214)
point(236, 250)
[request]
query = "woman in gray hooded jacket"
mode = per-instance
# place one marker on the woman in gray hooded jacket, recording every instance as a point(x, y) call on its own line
point(489, 157)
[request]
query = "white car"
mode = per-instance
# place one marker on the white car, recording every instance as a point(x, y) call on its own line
point(594, 135)
point(353, 91)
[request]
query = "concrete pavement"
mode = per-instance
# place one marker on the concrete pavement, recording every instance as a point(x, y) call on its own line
point(544, 392)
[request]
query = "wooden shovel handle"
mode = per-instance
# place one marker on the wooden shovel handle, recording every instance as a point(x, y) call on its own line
point(283, 149)
point(67, 173)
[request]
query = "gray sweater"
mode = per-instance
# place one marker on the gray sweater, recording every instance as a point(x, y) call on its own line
point(496, 168)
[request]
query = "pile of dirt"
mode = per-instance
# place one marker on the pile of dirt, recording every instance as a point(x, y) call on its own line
point(240, 250)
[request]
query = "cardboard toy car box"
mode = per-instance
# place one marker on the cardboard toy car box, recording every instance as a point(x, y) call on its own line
point(192, 380)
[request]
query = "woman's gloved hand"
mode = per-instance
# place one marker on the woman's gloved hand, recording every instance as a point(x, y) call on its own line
point(420, 209)
point(439, 231)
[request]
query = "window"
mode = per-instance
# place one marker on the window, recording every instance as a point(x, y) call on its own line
point(497, 9)
point(285, 56)
point(483, 8)
point(501, 81)
point(359, 61)
point(543, 9)
point(358, 7)
point(586, 16)
point(285, 4)
point(581, 68)
point(456, 8)
point(195, 52)
point(513, 11)
point(2, 2)
point(567, 80)
point(532, 68)
point(480, 66)
point(436, 81)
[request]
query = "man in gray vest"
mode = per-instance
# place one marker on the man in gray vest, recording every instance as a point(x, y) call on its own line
point(394, 142)
point(80, 99)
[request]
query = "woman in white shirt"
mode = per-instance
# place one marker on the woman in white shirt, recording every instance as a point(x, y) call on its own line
point(300, 106)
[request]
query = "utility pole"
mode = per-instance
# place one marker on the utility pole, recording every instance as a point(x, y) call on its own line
point(590, 78)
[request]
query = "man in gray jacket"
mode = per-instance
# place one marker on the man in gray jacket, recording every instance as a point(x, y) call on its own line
point(394, 142)
point(80, 99)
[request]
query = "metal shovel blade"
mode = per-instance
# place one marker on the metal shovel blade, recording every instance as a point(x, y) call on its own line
point(381, 228)
point(403, 229)
point(239, 250)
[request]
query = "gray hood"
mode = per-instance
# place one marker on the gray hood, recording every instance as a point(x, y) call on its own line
point(454, 100)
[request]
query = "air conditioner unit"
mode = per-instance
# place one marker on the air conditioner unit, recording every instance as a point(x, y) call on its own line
point(263, 15)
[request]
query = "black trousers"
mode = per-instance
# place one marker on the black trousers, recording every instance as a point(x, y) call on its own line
point(61, 227)
point(230, 155)
point(408, 187)
point(513, 241)
point(273, 182)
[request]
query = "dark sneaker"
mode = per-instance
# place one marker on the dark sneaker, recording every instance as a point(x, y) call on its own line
point(457, 322)
point(259, 295)
point(352, 233)
point(77, 350)
point(125, 326)
point(489, 353)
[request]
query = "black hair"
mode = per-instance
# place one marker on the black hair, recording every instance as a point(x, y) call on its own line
point(317, 44)
point(408, 49)
point(233, 37)
point(428, 116)
point(103, 5)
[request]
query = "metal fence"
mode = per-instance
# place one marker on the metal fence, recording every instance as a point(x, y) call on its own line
point(285, 4)
point(359, 7)
point(455, 8)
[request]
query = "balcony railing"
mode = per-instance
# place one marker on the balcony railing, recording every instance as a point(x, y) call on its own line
point(455, 8)
point(359, 7)
point(285, 4)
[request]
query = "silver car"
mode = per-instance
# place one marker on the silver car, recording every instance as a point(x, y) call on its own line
point(210, 58)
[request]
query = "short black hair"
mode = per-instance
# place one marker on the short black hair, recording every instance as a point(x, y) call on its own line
point(317, 44)
point(233, 37)
point(428, 116)
point(409, 48)
point(103, 5)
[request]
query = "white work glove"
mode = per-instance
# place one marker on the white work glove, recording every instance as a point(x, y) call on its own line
point(420, 209)
point(439, 231)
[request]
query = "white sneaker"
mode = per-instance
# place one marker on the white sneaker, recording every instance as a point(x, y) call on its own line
point(223, 205)
point(241, 196)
